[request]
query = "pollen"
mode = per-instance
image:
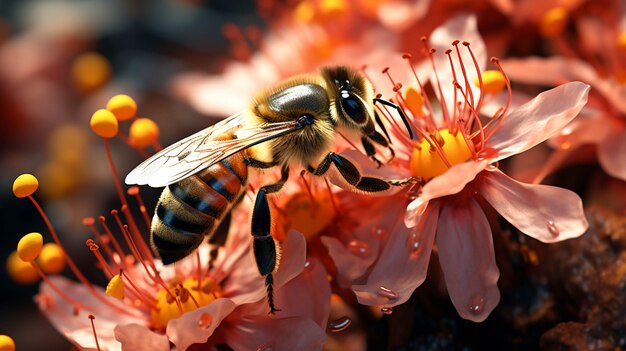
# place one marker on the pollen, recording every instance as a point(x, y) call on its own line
point(25, 185)
point(144, 132)
point(115, 288)
point(90, 71)
point(19, 271)
point(51, 259)
point(493, 81)
point(122, 106)
point(104, 123)
point(553, 22)
point(187, 297)
point(29, 246)
point(414, 101)
point(309, 216)
point(426, 162)
point(6, 343)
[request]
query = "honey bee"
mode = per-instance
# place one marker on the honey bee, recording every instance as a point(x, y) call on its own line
point(290, 125)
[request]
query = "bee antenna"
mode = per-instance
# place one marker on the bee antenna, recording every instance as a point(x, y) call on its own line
point(400, 112)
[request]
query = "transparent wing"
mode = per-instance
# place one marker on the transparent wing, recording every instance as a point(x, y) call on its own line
point(201, 150)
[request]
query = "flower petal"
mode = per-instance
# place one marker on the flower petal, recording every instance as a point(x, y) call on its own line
point(539, 119)
point(612, 154)
point(468, 260)
point(285, 334)
point(185, 331)
point(546, 213)
point(293, 258)
point(453, 181)
point(401, 269)
point(462, 27)
point(135, 337)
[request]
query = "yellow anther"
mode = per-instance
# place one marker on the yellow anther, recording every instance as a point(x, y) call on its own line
point(493, 81)
point(90, 71)
point(19, 271)
point(115, 288)
point(167, 308)
point(304, 12)
point(553, 22)
point(427, 163)
point(29, 246)
point(51, 259)
point(143, 132)
point(25, 185)
point(414, 101)
point(333, 7)
point(6, 343)
point(104, 123)
point(122, 106)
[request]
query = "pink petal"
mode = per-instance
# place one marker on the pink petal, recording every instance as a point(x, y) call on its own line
point(400, 268)
point(539, 119)
point(400, 15)
point(546, 213)
point(187, 329)
point(312, 286)
point(285, 334)
point(612, 154)
point(293, 258)
point(85, 339)
point(453, 181)
point(468, 260)
point(463, 27)
point(135, 337)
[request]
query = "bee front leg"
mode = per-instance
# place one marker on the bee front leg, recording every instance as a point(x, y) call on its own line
point(350, 173)
point(264, 246)
point(379, 139)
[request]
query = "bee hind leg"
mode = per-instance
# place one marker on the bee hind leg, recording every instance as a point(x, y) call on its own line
point(350, 173)
point(264, 246)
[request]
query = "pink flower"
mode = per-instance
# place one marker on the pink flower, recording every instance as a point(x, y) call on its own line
point(457, 156)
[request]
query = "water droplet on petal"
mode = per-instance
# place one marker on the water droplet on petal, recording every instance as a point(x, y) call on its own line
point(553, 229)
point(268, 346)
point(205, 321)
point(386, 292)
point(379, 233)
point(487, 153)
point(359, 248)
point(492, 166)
point(414, 211)
point(308, 265)
point(476, 304)
point(339, 324)
point(414, 245)
point(414, 191)
point(386, 310)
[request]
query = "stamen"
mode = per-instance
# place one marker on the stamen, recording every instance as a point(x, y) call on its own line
point(75, 304)
point(116, 244)
point(454, 123)
point(95, 249)
point(468, 86)
point(141, 294)
point(93, 327)
point(500, 117)
point(134, 191)
point(103, 239)
point(444, 108)
point(145, 250)
point(309, 192)
point(429, 107)
point(198, 269)
point(479, 76)
point(476, 118)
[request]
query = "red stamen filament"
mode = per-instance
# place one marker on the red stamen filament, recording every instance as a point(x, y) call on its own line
point(141, 295)
point(480, 129)
point(127, 141)
point(468, 88)
point(93, 327)
point(118, 185)
point(199, 269)
point(103, 240)
point(480, 76)
point(309, 192)
point(332, 198)
point(427, 103)
point(95, 249)
point(444, 108)
point(501, 117)
point(134, 191)
point(116, 243)
point(144, 249)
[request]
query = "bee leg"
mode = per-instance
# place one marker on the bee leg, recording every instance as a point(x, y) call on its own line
point(264, 246)
point(380, 124)
point(350, 173)
point(370, 150)
point(400, 112)
point(380, 140)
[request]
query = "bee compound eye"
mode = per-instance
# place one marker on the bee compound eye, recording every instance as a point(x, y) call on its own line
point(353, 108)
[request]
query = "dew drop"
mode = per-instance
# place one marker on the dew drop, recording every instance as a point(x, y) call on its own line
point(414, 211)
point(386, 310)
point(414, 246)
point(339, 324)
point(386, 292)
point(268, 346)
point(379, 233)
point(358, 248)
point(476, 304)
point(308, 265)
point(414, 191)
point(492, 166)
point(553, 229)
point(486, 153)
point(205, 321)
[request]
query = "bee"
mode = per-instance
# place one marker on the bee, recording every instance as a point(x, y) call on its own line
point(293, 124)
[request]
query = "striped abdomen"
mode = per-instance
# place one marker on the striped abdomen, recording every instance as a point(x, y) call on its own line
point(193, 208)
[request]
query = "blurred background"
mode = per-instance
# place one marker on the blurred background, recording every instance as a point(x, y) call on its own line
point(188, 63)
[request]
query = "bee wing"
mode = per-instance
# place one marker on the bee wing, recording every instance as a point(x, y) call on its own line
point(201, 150)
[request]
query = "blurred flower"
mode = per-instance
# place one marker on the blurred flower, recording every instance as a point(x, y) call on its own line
point(457, 158)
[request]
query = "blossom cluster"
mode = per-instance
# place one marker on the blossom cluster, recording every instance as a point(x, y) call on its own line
point(469, 115)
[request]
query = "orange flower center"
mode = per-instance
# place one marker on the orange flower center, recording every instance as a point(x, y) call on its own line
point(427, 163)
point(305, 214)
